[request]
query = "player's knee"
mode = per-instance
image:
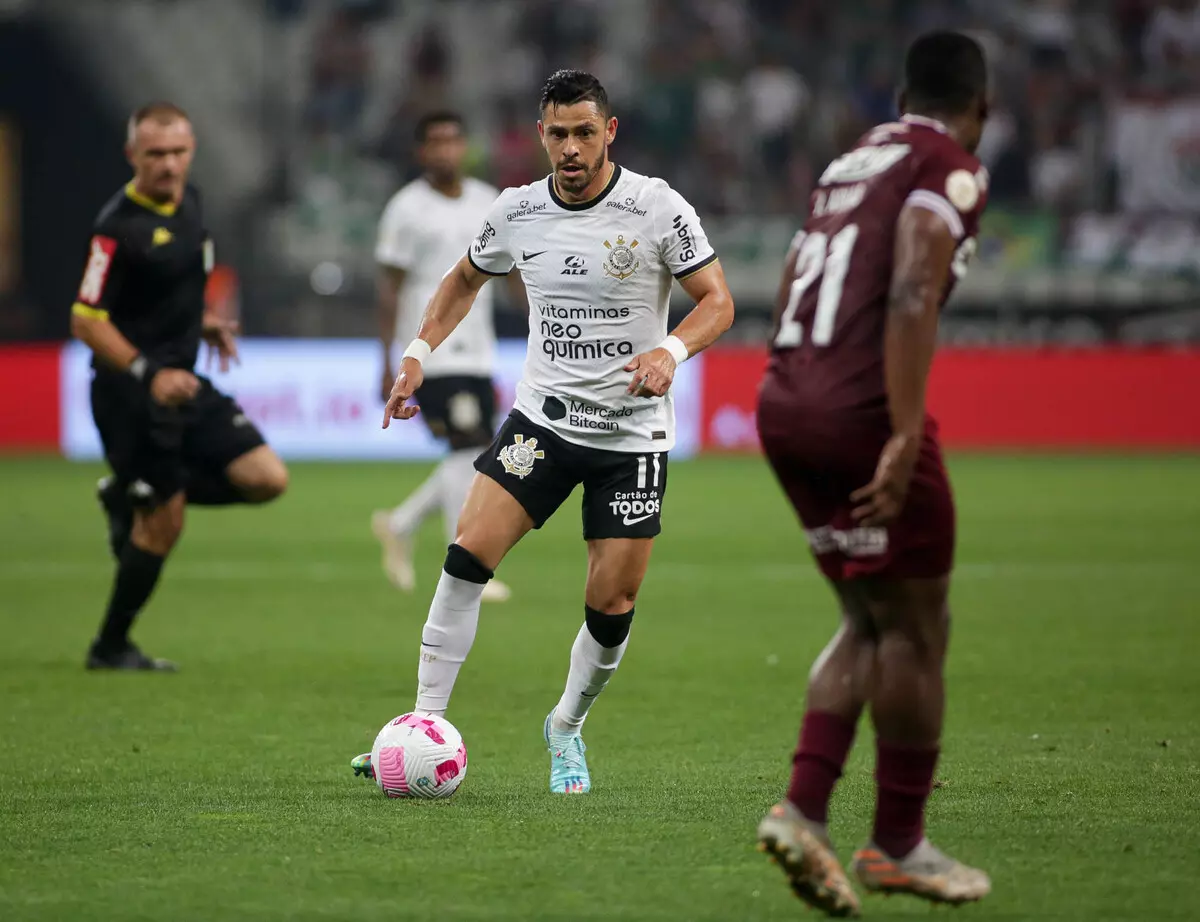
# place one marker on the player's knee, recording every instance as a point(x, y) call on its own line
point(273, 483)
point(918, 642)
point(268, 480)
point(608, 629)
point(462, 564)
point(612, 600)
point(931, 631)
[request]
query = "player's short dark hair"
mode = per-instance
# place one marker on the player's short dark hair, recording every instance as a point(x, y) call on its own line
point(944, 72)
point(568, 87)
point(437, 117)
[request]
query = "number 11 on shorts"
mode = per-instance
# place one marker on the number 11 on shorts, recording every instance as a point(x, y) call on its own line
point(641, 471)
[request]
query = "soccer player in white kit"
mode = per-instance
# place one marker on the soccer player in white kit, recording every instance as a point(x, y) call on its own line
point(424, 231)
point(598, 247)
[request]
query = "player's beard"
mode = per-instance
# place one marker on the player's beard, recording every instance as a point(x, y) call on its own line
point(576, 183)
point(444, 174)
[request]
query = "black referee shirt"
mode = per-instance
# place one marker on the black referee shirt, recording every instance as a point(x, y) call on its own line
point(146, 271)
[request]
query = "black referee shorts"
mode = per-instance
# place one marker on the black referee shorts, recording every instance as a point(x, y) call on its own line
point(156, 445)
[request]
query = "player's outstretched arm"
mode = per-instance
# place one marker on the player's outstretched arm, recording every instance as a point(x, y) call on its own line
point(451, 302)
point(924, 251)
point(654, 371)
point(445, 311)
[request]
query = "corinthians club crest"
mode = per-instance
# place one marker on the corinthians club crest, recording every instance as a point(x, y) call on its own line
point(518, 457)
point(622, 262)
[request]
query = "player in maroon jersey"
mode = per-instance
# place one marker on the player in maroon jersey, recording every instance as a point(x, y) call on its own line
point(842, 418)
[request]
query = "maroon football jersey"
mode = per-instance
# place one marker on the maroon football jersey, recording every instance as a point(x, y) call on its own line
point(828, 353)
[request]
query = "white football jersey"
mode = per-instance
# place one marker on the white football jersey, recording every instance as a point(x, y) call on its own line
point(425, 233)
point(598, 276)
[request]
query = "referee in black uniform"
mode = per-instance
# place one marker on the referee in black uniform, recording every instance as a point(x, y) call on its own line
point(170, 437)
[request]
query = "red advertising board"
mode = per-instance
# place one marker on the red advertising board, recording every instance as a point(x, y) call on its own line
point(29, 397)
point(984, 398)
point(1008, 398)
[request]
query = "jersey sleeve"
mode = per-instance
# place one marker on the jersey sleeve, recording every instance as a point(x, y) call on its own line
point(101, 277)
point(683, 245)
point(489, 252)
point(952, 187)
point(396, 243)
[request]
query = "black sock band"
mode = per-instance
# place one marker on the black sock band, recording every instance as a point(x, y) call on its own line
point(462, 564)
point(608, 630)
point(211, 489)
point(137, 574)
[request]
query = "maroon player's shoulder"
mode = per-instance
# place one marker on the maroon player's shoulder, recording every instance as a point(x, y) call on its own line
point(942, 169)
point(940, 146)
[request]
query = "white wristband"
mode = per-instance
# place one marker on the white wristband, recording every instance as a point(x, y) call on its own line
point(675, 346)
point(418, 349)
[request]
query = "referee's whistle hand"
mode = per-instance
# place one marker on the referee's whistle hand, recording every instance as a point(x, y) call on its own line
point(406, 385)
point(173, 386)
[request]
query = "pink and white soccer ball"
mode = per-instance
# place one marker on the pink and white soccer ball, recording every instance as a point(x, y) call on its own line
point(418, 756)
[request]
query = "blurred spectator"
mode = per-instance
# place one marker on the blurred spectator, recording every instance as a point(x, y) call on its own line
point(875, 99)
point(558, 30)
point(1001, 152)
point(431, 59)
point(1056, 168)
point(741, 103)
point(285, 9)
point(341, 63)
point(1171, 45)
point(425, 89)
point(666, 117)
point(517, 157)
point(593, 57)
point(777, 97)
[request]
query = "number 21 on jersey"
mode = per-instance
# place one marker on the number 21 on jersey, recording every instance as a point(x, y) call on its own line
point(827, 259)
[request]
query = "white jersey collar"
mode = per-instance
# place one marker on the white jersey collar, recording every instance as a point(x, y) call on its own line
point(590, 203)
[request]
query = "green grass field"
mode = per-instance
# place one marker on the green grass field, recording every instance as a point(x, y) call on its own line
point(1072, 759)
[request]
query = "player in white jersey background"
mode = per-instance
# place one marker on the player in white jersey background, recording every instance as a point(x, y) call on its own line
point(598, 247)
point(424, 230)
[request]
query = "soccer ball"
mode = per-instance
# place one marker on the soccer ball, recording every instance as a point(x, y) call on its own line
point(416, 756)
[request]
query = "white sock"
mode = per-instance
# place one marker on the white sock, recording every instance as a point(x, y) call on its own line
point(592, 665)
point(445, 641)
point(420, 504)
point(454, 480)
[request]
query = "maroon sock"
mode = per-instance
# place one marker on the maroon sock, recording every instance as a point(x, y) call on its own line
point(825, 741)
point(903, 778)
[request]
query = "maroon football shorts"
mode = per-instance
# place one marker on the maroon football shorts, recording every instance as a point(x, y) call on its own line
point(820, 459)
